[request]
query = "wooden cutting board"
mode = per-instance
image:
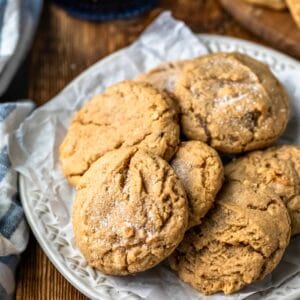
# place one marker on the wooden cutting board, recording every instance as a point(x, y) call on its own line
point(276, 27)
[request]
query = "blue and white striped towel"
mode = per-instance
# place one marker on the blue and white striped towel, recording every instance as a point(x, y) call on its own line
point(18, 21)
point(13, 228)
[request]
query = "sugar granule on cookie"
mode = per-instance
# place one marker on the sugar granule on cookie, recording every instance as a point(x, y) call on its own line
point(130, 212)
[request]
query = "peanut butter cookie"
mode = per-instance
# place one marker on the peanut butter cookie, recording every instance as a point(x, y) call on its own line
point(240, 241)
point(291, 154)
point(232, 102)
point(277, 171)
point(126, 114)
point(200, 170)
point(130, 212)
point(164, 76)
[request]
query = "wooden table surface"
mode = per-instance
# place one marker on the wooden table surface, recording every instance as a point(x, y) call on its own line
point(63, 48)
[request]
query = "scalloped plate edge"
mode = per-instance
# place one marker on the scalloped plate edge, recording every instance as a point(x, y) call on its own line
point(213, 43)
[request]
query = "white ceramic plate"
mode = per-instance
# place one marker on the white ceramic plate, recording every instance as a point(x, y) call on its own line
point(43, 222)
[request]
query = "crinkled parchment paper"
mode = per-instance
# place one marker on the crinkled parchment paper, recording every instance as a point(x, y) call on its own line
point(34, 147)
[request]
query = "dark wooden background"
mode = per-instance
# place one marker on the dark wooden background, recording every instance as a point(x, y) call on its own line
point(63, 48)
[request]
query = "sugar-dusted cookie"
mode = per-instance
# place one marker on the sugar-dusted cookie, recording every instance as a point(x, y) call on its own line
point(232, 102)
point(200, 170)
point(240, 241)
point(274, 4)
point(163, 76)
point(130, 212)
point(126, 114)
point(294, 7)
point(274, 167)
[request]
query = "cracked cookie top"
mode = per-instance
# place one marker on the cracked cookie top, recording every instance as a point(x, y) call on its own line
point(276, 168)
point(200, 170)
point(130, 212)
point(126, 114)
point(232, 102)
point(291, 155)
point(240, 241)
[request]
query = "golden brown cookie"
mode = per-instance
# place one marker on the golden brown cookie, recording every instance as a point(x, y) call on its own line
point(126, 114)
point(274, 4)
point(274, 167)
point(240, 241)
point(200, 170)
point(291, 154)
point(294, 7)
point(164, 76)
point(130, 212)
point(232, 102)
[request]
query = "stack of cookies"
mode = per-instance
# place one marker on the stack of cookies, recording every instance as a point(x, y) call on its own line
point(144, 157)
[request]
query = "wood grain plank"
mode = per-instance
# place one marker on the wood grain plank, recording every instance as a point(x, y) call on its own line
point(276, 27)
point(63, 48)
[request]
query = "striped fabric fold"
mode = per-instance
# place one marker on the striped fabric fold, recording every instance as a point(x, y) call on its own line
point(13, 228)
point(18, 21)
